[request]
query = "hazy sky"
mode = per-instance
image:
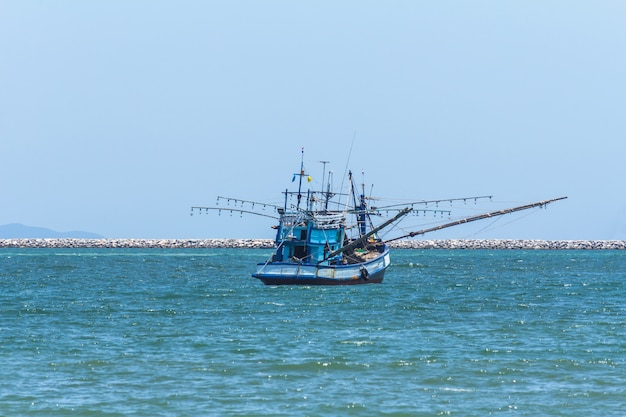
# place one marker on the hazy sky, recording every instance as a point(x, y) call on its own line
point(117, 116)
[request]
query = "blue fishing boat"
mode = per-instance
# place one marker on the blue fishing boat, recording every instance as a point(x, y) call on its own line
point(313, 247)
point(329, 238)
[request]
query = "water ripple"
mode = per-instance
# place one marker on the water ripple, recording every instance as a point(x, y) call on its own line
point(189, 332)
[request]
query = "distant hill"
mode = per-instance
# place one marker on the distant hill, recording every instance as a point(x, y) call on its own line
point(20, 231)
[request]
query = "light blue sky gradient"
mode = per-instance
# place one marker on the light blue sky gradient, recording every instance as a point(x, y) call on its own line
point(117, 116)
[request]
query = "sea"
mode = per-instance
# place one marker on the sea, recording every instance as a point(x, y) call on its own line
point(189, 332)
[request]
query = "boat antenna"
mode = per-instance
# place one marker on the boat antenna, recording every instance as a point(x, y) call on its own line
point(346, 171)
point(347, 162)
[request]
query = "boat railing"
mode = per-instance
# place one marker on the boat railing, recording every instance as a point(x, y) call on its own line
point(292, 219)
point(329, 221)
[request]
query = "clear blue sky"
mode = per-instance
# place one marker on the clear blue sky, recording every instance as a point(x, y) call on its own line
point(117, 116)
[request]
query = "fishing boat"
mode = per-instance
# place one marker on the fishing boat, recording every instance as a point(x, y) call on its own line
point(329, 238)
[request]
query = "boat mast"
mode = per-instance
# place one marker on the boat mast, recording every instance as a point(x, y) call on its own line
point(300, 182)
point(358, 207)
point(362, 209)
point(329, 194)
point(323, 172)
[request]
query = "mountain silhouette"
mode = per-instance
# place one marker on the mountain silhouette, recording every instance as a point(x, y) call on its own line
point(20, 231)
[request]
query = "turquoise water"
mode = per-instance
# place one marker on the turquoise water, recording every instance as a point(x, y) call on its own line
point(190, 333)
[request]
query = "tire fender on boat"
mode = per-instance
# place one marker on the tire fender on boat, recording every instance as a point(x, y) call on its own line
point(364, 274)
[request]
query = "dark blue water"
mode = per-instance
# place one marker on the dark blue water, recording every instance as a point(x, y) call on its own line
point(190, 333)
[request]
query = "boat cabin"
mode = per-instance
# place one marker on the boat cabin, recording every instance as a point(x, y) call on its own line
point(307, 238)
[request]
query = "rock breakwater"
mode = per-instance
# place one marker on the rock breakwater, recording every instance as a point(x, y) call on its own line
point(512, 244)
point(268, 244)
point(137, 243)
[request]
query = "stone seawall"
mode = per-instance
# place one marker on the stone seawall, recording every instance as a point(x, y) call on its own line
point(268, 244)
point(511, 244)
point(137, 243)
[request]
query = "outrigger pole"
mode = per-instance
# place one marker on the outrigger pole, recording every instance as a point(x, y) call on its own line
point(363, 238)
point(479, 217)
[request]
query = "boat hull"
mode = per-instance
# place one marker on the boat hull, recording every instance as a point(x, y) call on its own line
point(286, 273)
